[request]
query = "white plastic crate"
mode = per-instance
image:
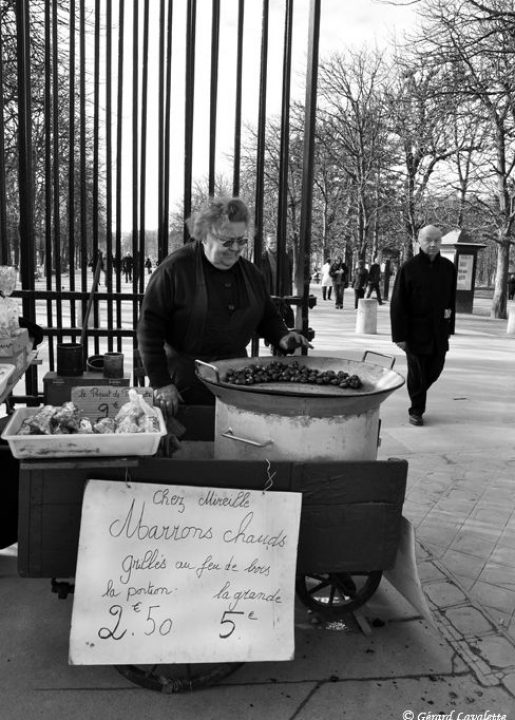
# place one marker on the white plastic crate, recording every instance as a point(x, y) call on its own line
point(78, 445)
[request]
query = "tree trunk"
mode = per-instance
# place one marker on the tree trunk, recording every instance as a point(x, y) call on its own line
point(499, 300)
point(498, 309)
point(324, 228)
point(410, 221)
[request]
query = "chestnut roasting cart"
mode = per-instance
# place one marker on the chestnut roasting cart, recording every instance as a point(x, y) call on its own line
point(351, 515)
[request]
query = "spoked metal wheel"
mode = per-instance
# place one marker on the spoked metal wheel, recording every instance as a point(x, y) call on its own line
point(170, 679)
point(334, 595)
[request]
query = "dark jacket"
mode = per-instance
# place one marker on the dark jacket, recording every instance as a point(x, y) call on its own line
point(360, 279)
point(339, 273)
point(181, 320)
point(269, 270)
point(423, 290)
point(374, 274)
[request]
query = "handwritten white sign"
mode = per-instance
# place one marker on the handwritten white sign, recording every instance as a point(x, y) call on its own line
point(100, 401)
point(176, 574)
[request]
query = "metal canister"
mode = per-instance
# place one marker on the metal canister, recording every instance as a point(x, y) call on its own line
point(70, 362)
point(243, 434)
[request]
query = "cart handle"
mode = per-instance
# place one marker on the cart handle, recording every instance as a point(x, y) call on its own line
point(372, 352)
point(210, 366)
point(229, 434)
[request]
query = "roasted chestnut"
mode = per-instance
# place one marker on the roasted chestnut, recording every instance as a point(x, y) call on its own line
point(293, 372)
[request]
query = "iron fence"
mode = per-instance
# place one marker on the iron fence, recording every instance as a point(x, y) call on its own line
point(89, 95)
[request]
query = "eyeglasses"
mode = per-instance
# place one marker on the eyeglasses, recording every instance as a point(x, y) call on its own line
point(228, 242)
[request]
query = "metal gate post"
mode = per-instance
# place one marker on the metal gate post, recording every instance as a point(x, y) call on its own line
point(25, 169)
point(25, 174)
point(308, 160)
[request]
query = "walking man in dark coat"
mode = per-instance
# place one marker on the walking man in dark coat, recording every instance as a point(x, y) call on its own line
point(127, 267)
point(374, 277)
point(360, 282)
point(269, 270)
point(422, 313)
point(339, 275)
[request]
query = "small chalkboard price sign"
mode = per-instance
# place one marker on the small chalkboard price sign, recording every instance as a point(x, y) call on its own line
point(179, 574)
point(100, 401)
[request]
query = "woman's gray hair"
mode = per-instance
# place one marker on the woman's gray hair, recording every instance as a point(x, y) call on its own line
point(215, 213)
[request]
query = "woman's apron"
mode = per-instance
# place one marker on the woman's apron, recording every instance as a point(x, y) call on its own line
point(243, 322)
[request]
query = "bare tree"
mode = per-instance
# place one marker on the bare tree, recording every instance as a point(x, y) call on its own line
point(351, 90)
point(271, 179)
point(468, 140)
point(419, 119)
point(477, 40)
point(333, 195)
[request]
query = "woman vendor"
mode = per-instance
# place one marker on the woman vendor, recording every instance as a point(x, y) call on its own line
point(204, 301)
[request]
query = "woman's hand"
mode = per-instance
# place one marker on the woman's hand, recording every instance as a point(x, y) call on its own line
point(293, 340)
point(168, 399)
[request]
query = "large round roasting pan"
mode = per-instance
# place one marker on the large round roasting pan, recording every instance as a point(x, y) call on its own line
point(287, 398)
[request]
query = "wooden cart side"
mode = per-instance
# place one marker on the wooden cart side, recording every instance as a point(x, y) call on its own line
point(51, 495)
point(30, 540)
point(351, 511)
point(50, 504)
point(351, 515)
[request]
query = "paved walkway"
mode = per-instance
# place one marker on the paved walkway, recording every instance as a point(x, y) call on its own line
point(462, 462)
point(460, 500)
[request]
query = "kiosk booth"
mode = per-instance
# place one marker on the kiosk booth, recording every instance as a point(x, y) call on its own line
point(458, 247)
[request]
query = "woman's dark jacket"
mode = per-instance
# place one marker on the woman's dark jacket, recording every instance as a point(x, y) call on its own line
point(423, 290)
point(193, 310)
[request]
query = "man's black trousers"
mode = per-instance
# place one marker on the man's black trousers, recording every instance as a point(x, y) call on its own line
point(375, 286)
point(359, 293)
point(423, 371)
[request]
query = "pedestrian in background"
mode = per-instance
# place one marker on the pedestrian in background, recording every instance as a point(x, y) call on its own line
point(269, 267)
point(327, 281)
point(127, 267)
point(360, 282)
point(422, 313)
point(339, 276)
point(116, 263)
point(374, 278)
point(98, 258)
point(511, 286)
